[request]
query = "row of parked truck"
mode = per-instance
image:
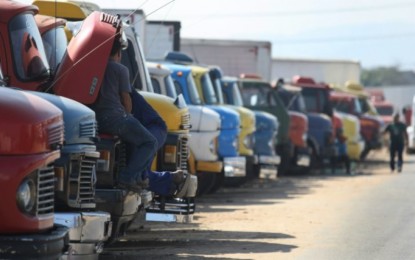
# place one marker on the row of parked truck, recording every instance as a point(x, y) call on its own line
point(58, 177)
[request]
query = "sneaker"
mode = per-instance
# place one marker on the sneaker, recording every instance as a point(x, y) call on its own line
point(183, 186)
point(177, 177)
point(399, 169)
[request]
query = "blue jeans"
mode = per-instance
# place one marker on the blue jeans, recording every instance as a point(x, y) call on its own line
point(159, 182)
point(142, 144)
point(396, 148)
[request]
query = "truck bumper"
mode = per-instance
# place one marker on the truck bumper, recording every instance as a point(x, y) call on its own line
point(234, 166)
point(50, 245)
point(87, 233)
point(122, 206)
point(355, 149)
point(171, 210)
point(268, 166)
point(208, 166)
point(303, 160)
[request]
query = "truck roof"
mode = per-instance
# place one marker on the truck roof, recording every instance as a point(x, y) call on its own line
point(45, 23)
point(158, 69)
point(226, 42)
point(308, 82)
point(70, 10)
point(9, 9)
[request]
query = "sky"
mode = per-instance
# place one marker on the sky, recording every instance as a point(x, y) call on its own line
point(376, 33)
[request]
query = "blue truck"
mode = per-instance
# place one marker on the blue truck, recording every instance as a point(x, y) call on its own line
point(234, 165)
point(266, 160)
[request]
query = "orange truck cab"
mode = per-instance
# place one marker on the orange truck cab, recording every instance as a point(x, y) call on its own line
point(31, 134)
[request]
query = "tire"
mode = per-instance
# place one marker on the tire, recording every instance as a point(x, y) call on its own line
point(205, 182)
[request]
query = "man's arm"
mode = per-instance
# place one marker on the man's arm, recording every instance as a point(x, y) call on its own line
point(126, 101)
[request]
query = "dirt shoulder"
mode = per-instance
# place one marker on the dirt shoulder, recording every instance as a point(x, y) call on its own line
point(264, 219)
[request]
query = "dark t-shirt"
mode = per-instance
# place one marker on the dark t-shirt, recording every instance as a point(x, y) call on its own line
point(116, 80)
point(396, 132)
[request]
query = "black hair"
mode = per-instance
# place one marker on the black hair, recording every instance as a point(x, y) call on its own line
point(116, 46)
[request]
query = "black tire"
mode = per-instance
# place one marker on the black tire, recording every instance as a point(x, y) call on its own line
point(205, 182)
point(219, 183)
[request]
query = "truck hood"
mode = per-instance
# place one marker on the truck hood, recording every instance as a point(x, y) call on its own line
point(75, 77)
point(203, 119)
point(229, 118)
point(80, 122)
point(247, 116)
point(318, 121)
point(25, 122)
point(351, 125)
point(265, 121)
point(175, 116)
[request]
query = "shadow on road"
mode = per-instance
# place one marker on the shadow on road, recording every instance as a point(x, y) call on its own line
point(195, 244)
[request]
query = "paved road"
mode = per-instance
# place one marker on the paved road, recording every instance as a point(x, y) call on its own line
point(380, 224)
point(323, 216)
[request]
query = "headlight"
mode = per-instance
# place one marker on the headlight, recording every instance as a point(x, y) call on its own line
point(170, 152)
point(26, 196)
point(212, 146)
point(249, 141)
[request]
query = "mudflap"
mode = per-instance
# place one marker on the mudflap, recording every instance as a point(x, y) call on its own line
point(48, 245)
point(179, 210)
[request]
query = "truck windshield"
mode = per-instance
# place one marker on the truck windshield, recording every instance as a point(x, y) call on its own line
point(315, 99)
point(170, 90)
point(385, 110)
point(351, 106)
point(208, 90)
point(193, 94)
point(364, 105)
point(218, 91)
point(292, 100)
point(29, 56)
point(255, 94)
point(236, 94)
point(55, 42)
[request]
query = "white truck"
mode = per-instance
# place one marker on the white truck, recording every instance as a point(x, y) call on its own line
point(329, 71)
point(161, 37)
point(234, 57)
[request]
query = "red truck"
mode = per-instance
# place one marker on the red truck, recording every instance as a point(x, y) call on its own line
point(31, 133)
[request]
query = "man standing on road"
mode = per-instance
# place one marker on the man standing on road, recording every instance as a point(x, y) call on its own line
point(398, 138)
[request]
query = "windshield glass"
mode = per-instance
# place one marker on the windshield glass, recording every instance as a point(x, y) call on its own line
point(218, 91)
point(255, 94)
point(237, 98)
point(292, 100)
point(315, 99)
point(385, 110)
point(208, 91)
point(29, 56)
point(55, 46)
point(170, 89)
point(364, 105)
point(341, 105)
point(191, 87)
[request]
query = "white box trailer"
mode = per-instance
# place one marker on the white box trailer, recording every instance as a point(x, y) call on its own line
point(233, 56)
point(134, 17)
point(161, 37)
point(329, 71)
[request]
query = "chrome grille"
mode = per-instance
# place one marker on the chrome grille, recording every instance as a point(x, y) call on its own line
point(55, 134)
point(82, 185)
point(88, 129)
point(185, 121)
point(183, 153)
point(45, 191)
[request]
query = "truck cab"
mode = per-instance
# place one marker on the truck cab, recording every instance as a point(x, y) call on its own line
point(234, 166)
point(258, 94)
point(349, 104)
point(27, 67)
point(31, 135)
point(264, 164)
point(173, 155)
point(321, 119)
point(205, 122)
point(266, 125)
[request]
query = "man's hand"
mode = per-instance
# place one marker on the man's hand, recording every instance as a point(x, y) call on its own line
point(126, 101)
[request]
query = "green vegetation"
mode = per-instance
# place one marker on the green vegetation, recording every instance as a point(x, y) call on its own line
point(387, 76)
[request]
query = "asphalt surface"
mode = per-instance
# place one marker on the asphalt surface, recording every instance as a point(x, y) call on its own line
point(368, 215)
